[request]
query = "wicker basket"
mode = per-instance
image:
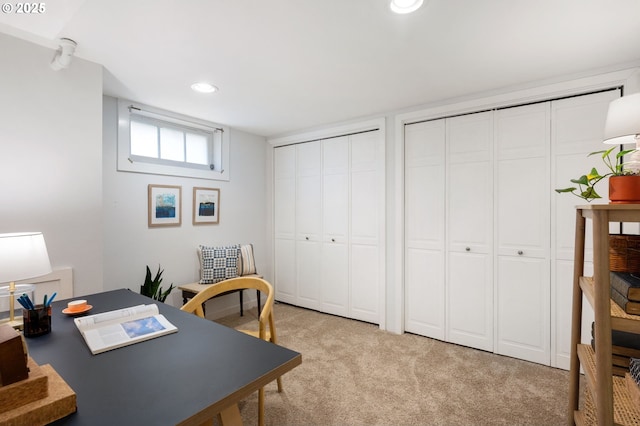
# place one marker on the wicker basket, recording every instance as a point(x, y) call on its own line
point(624, 253)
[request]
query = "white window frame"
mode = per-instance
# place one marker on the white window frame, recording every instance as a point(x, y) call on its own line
point(129, 163)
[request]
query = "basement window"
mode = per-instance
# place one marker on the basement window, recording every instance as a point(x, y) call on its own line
point(161, 142)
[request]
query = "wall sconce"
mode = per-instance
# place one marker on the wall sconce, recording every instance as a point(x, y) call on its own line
point(22, 256)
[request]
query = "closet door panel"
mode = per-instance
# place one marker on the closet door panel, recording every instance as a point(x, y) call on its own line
point(470, 296)
point(308, 273)
point(365, 283)
point(335, 279)
point(470, 212)
point(335, 201)
point(523, 285)
point(285, 270)
point(424, 297)
point(577, 128)
point(285, 208)
point(523, 209)
point(523, 309)
point(469, 291)
point(284, 191)
point(365, 214)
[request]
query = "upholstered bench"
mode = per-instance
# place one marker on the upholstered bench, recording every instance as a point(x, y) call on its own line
point(190, 290)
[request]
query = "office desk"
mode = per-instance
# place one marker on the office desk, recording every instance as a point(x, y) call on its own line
point(182, 378)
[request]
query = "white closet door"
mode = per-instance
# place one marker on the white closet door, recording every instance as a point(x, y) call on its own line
point(577, 127)
point(469, 289)
point(335, 226)
point(425, 228)
point(284, 224)
point(366, 210)
point(523, 232)
point(308, 224)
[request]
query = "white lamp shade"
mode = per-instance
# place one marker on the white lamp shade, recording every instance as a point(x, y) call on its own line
point(623, 120)
point(405, 6)
point(22, 256)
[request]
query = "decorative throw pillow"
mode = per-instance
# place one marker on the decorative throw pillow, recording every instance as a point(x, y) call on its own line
point(247, 264)
point(218, 263)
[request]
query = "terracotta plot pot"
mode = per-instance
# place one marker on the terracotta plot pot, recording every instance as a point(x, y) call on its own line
point(624, 189)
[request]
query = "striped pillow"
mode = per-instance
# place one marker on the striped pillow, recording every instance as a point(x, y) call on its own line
point(247, 264)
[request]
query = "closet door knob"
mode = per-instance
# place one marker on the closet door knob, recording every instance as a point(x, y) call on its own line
point(306, 238)
point(333, 240)
point(520, 252)
point(468, 248)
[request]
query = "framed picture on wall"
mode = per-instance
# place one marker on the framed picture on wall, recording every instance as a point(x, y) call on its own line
point(206, 206)
point(165, 205)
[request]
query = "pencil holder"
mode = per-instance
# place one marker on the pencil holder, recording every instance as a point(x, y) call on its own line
point(36, 321)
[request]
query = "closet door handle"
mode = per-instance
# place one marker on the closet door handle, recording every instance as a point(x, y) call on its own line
point(468, 248)
point(520, 252)
point(306, 238)
point(333, 240)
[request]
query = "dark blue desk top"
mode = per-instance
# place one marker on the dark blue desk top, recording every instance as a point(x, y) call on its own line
point(181, 378)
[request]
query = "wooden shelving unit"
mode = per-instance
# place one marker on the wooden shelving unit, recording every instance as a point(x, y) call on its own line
point(606, 399)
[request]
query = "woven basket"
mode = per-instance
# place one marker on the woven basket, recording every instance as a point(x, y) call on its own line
point(624, 253)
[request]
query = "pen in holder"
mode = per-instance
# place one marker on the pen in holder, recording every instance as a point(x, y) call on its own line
point(37, 321)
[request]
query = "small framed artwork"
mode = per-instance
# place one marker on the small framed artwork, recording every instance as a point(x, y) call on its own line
point(165, 205)
point(206, 206)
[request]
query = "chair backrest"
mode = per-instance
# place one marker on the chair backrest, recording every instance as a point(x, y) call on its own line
point(241, 283)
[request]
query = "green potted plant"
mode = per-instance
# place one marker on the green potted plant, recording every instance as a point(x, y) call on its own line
point(624, 184)
point(152, 288)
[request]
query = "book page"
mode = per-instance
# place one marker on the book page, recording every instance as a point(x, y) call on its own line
point(114, 317)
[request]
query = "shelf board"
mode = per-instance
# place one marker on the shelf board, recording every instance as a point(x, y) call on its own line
point(620, 320)
point(624, 410)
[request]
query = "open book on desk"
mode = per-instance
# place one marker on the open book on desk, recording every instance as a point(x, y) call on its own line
point(122, 327)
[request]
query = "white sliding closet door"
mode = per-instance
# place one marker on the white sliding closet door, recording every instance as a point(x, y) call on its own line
point(425, 228)
point(469, 283)
point(577, 127)
point(523, 232)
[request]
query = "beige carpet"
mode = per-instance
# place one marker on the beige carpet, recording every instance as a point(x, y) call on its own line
point(352, 373)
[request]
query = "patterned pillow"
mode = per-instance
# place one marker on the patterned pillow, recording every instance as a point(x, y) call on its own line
point(247, 264)
point(218, 263)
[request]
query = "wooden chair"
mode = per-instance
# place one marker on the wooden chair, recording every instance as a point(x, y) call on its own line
point(266, 326)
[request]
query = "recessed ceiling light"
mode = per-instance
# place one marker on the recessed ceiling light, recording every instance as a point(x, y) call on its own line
point(204, 87)
point(405, 6)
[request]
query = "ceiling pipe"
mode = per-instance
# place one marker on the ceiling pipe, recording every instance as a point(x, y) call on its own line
point(63, 54)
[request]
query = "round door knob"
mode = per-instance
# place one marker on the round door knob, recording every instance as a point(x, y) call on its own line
point(333, 240)
point(306, 238)
point(520, 252)
point(468, 248)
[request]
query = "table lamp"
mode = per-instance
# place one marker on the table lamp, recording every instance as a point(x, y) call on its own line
point(22, 256)
point(623, 127)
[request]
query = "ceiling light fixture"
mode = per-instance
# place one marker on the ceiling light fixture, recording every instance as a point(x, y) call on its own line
point(204, 87)
point(405, 6)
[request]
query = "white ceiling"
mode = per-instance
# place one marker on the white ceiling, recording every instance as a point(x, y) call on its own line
point(287, 65)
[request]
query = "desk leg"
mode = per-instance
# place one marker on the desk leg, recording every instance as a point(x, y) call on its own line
point(230, 416)
point(241, 303)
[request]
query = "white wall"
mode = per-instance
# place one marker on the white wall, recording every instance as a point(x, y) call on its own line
point(50, 156)
point(130, 245)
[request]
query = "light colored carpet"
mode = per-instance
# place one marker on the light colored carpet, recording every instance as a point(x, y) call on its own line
point(353, 373)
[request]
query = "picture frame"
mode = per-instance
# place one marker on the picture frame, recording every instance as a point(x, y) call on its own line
point(165, 205)
point(206, 206)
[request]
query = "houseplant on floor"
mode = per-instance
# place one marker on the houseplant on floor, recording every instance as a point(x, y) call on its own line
point(152, 288)
point(624, 183)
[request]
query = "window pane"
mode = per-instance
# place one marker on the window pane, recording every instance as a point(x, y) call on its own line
point(144, 139)
point(197, 149)
point(171, 144)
